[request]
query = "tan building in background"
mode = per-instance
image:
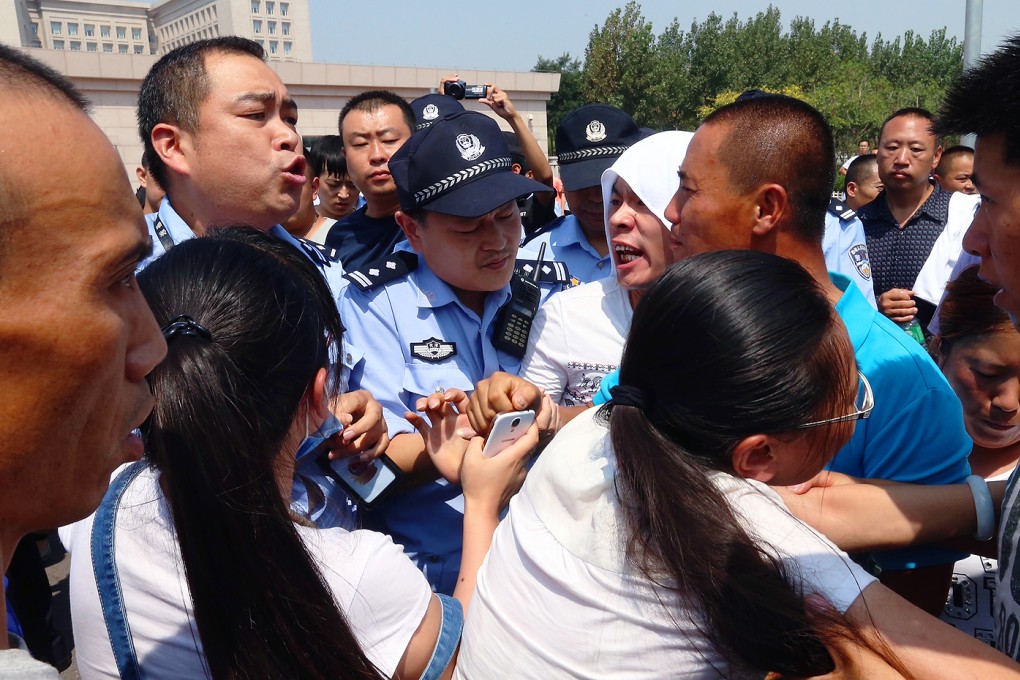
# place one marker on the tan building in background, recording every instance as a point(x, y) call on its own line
point(107, 46)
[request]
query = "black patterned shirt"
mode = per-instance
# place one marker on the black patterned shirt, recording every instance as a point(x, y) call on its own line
point(897, 255)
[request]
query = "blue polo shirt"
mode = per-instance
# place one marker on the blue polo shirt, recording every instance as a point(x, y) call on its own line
point(565, 241)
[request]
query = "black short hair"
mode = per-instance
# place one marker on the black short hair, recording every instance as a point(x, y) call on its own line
point(782, 140)
point(20, 72)
point(985, 100)
point(176, 86)
point(915, 112)
point(326, 156)
point(861, 168)
point(948, 155)
point(374, 100)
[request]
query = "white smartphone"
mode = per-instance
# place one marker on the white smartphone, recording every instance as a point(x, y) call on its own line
point(506, 429)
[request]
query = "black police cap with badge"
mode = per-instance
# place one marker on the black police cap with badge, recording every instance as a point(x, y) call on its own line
point(432, 107)
point(589, 140)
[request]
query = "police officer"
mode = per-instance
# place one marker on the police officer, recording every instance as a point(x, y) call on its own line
point(588, 141)
point(423, 322)
point(845, 249)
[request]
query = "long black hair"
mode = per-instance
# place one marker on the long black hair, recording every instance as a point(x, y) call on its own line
point(224, 408)
point(724, 346)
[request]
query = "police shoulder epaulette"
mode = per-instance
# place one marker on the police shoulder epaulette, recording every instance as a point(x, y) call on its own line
point(840, 209)
point(543, 230)
point(319, 253)
point(552, 271)
point(383, 270)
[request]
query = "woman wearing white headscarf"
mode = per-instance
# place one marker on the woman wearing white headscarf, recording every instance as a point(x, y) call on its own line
point(578, 334)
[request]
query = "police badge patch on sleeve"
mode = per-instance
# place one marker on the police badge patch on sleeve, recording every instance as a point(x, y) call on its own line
point(433, 350)
point(859, 256)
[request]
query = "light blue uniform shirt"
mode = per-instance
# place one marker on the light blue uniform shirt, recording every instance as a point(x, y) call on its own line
point(845, 249)
point(565, 241)
point(406, 339)
point(337, 510)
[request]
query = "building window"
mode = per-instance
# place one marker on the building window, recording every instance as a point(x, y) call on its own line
point(262, 43)
point(35, 30)
point(104, 31)
point(138, 49)
point(122, 49)
point(286, 47)
point(108, 47)
point(284, 8)
point(255, 6)
point(76, 45)
point(272, 27)
point(58, 44)
point(121, 33)
point(92, 47)
point(270, 7)
point(285, 27)
point(90, 30)
point(55, 27)
point(72, 29)
point(136, 34)
point(256, 25)
point(273, 45)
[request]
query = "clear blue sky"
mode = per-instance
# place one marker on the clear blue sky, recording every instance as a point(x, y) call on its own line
point(511, 35)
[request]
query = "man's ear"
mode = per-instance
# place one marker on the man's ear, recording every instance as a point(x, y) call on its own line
point(315, 187)
point(142, 176)
point(754, 458)
point(938, 157)
point(772, 204)
point(851, 189)
point(412, 230)
point(173, 146)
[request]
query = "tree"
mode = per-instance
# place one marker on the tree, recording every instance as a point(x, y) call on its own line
point(568, 97)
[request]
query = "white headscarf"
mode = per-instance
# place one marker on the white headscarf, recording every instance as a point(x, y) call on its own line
point(649, 167)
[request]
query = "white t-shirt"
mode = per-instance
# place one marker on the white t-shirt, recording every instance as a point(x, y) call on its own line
point(381, 592)
point(558, 598)
point(577, 339)
point(947, 249)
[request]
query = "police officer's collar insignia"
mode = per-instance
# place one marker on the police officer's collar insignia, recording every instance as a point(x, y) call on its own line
point(553, 271)
point(595, 132)
point(433, 350)
point(469, 146)
point(430, 112)
point(319, 253)
point(379, 272)
point(840, 209)
point(859, 256)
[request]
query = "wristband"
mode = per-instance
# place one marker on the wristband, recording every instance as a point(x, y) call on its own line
point(983, 506)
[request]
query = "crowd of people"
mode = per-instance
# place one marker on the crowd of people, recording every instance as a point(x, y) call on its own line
point(765, 429)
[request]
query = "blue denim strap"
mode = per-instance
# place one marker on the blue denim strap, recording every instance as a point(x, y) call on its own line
point(449, 637)
point(107, 579)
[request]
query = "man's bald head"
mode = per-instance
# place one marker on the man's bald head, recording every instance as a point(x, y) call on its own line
point(774, 139)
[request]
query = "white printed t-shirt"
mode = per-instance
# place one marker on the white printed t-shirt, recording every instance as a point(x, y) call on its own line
point(558, 598)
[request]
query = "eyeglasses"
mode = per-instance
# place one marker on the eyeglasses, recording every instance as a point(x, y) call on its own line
point(864, 404)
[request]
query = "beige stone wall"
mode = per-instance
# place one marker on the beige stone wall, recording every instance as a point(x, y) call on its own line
point(112, 81)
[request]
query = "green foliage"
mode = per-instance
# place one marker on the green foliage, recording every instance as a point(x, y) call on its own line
point(674, 79)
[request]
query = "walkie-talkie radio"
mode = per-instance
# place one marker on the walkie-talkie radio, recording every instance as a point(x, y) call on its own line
point(514, 324)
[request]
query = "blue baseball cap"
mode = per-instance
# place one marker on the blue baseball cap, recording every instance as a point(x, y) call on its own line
point(460, 165)
point(431, 107)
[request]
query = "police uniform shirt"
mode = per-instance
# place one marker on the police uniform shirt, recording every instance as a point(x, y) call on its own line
point(565, 241)
point(166, 229)
point(845, 248)
point(409, 336)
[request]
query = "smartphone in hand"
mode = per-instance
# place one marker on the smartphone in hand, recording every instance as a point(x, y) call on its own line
point(506, 429)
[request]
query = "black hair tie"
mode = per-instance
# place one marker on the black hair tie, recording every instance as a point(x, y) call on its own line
point(626, 395)
point(185, 325)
